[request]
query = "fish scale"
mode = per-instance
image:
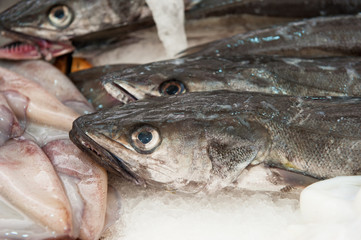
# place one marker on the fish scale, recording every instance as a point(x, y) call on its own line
point(322, 36)
point(304, 135)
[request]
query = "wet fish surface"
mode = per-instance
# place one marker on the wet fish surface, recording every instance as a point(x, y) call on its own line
point(47, 29)
point(87, 81)
point(332, 76)
point(47, 26)
point(285, 8)
point(207, 140)
point(316, 37)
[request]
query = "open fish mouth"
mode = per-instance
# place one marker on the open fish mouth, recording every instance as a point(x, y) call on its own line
point(104, 157)
point(120, 92)
point(27, 47)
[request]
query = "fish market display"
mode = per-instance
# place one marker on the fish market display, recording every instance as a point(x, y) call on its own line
point(206, 140)
point(47, 29)
point(323, 36)
point(242, 122)
point(338, 76)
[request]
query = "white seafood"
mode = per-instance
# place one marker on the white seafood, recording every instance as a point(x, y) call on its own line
point(90, 180)
point(29, 183)
point(51, 79)
point(42, 107)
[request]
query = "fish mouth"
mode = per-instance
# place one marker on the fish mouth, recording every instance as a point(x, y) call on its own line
point(25, 47)
point(119, 92)
point(103, 156)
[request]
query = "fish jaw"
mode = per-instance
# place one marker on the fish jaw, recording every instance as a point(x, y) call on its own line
point(104, 157)
point(123, 93)
point(29, 48)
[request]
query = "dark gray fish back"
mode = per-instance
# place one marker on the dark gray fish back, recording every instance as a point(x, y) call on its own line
point(323, 36)
point(279, 8)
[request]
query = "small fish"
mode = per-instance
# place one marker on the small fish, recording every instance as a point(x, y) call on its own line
point(333, 76)
point(316, 37)
point(206, 140)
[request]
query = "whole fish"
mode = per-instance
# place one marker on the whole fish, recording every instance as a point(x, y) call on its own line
point(333, 76)
point(316, 37)
point(207, 140)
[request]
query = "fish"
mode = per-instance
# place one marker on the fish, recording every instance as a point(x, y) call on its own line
point(295, 8)
point(315, 37)
point(87, 81)
point(206, 140)
point(51, 28)
point(44, 29)
point(332, 76)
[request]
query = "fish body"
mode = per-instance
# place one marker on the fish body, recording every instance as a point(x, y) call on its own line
point(315, 37)
point(285, 8)
point(207, 140)
point(51, 28)
point(332, 76)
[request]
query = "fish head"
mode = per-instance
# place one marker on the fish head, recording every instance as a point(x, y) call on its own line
point(43, 24)
point(166, 78)
point(170, 142)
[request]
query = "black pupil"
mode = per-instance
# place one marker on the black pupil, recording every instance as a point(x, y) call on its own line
point(59, 13)
point(172, 89)
point(145, 137)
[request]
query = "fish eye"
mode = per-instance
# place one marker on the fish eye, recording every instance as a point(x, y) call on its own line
point(172, 87)
point(60, 16)
point(145, 139)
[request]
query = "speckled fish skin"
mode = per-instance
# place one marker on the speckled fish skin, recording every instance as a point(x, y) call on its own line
point(201, 139)
point(285, 8)
point(316, 37)
point(333, 76)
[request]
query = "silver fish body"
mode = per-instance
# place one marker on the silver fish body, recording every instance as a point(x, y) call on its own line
point(333, 76)
point(315, 37)
point(198, 140)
